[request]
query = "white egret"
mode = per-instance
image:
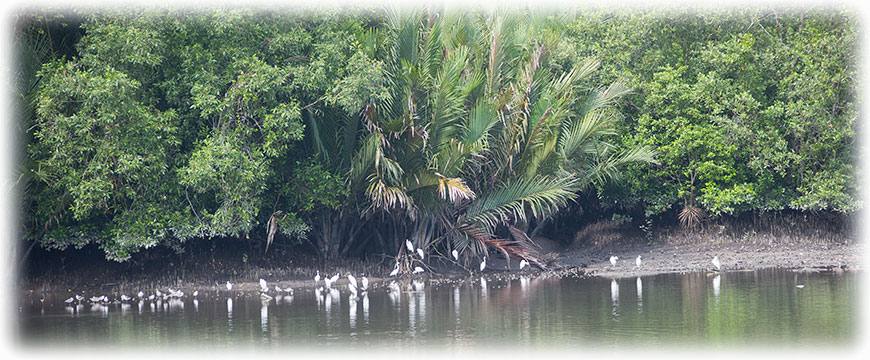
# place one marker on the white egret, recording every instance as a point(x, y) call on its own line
point(96, 298)
point(455, 254)
point(800, 286)
point(420, 252)
point(716, 262)
point(395, 271)
point(125, 297)
point(195, 293)
point(523, 263)
point(79, 298)
point(637, 261)
point(69, 301)
point(418, 270)
point(613, 260)
point(229, 286)
point(157, 291)
point(317, 277)
point(365, 283)
point(483, 264)
point(409, 245)
point(332, 280)
point(151, 297)
point(264, 287)
point(351, 282)
point(140, 294)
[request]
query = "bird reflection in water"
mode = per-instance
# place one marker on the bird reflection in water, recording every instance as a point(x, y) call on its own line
point(639, 295)
point(614, 297)
point(716, 282)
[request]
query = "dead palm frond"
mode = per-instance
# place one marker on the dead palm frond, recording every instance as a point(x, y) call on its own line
point(690, 216)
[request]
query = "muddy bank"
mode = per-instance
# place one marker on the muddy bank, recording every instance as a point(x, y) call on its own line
point(668, 252)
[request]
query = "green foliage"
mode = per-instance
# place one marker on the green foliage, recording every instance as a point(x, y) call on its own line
point(748, 109)
point(447, 128)
point(174, 125)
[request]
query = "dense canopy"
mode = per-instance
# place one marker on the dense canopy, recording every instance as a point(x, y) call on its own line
point(354, 130)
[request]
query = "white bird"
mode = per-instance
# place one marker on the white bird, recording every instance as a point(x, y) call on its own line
point(69, 301)
point(455, 254)
point(158, 292)
point(125, 297)
point(351, 281)
point(365, 283)
point(140, 294)
point(409, 245)
point(637, 261)
point(317, 277)
point(195, 293)
point(418, 270)
point(716, 262)
point(79, 297)
point(613, 260)
point(523, 263)
point(420, 252)
point(96, 298)
point(332, 280)
point(483, 264)
point(229, 286)
point(800, 286)
point(264, 287)
point(395, 271)
point(151, 297)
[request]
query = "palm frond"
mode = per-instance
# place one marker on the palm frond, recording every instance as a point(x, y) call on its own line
point(481, 119)
point(608, 168)
point(454, 190)
point(514, 200)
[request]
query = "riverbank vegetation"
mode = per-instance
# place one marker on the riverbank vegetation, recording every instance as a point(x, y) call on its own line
point(348, 132)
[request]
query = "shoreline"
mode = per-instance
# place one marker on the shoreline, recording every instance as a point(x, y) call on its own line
point(588, 261)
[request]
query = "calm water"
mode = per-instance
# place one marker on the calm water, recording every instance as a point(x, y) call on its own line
point(760, 307)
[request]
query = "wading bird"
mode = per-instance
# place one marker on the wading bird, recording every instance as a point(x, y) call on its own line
point(523, 263)
point(125, 297)
point(69, 301)
point(409, 245)
point(264, 287)
point(331, 280)
point(195, 293)
point(365, 283)
point(351, 282)
point(613, 260)
point(483, 264)
point(637, 261)
point(229, 286)
point(395, 271)
point(418, 270)
point(317, 277)
point(455, 254)
point(140, 295)
point(420, 252)
point(716, 262)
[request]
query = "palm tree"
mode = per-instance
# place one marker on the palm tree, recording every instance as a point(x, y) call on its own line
point(481, 134)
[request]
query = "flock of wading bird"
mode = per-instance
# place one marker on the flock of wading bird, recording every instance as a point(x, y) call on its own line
point(353, 285)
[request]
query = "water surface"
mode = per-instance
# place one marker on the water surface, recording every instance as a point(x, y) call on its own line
point(765, 307)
